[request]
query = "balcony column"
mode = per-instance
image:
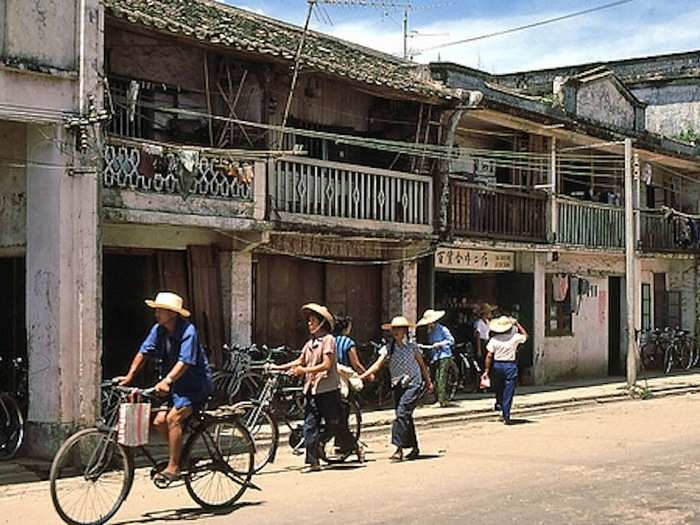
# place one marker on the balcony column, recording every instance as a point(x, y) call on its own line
point(63, 291)
point(237, 292)
point(554, 191)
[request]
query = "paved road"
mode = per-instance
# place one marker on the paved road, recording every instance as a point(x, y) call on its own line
point(635, 462)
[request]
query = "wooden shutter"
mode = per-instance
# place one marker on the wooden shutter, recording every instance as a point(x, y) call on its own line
point(206, 304)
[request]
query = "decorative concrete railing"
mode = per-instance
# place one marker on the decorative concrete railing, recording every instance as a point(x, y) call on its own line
point(310, 187)
point(174, 171)
point(590, 224)
point(483, 211)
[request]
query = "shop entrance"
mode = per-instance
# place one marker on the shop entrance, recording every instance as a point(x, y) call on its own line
point(12, 311)
point(130, 276)
point(284, 284)
point(460, 294)
point(615, 367)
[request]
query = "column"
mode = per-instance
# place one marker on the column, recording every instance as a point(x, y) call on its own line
point(237, 284)
point(400, 281)
point(538, 331)
point(63, 291)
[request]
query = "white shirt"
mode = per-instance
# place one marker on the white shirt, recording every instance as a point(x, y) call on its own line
point(505, 346)
point(483, 328)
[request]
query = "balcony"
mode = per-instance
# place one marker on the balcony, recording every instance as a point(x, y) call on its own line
point(661, 233)
point(589, 224)
point(145, 182)
point(483, 211)
point(350, 196)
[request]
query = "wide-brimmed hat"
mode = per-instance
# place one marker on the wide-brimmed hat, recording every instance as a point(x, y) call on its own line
point(398, 322)
point(320, 310)
point(168, 301)
point(502, 325)
point(430, 317)
point(486, 308)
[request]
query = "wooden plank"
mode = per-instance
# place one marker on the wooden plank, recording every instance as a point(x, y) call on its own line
point(207, 307)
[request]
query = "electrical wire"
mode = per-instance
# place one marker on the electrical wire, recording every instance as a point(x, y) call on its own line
point(527, 26)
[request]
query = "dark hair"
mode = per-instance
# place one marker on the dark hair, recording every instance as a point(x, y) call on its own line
point(341, 324)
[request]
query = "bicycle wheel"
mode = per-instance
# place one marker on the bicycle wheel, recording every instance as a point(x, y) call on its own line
point(648, 354)
point(263, 429)
point(91, 476)
point(220, 461)
point(11, 427)
point(669, 359)
point(686, 357)
point(470, 378)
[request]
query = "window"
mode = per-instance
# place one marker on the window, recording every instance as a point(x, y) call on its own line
point(646, 306)
point(558, 313)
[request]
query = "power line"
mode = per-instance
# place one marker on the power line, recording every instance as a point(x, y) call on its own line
point(528, 26)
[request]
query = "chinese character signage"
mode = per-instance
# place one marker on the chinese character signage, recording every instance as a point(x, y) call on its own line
point(459, 259)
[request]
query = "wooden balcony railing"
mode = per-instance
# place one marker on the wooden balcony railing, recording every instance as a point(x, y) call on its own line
point(309, 187)
point(590, 224)
point(499, 213)
point(660, 233)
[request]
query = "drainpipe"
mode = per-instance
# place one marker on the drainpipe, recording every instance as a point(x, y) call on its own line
point(81, 60)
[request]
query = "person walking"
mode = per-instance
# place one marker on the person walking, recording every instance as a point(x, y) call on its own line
point(345, 345)
point(502, 352)
point(318, 365)
point(441, 342)
point(409, 376)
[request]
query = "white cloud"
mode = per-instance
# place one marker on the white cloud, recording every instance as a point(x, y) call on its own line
point(587, 39)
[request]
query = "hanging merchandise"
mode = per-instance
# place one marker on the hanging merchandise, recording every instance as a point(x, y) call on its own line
point(647, 174)
point(560, 287)
point(132, 98)
point(187, 161)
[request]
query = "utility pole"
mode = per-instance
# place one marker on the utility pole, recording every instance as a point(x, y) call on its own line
point(631, 274)
point(405, 33)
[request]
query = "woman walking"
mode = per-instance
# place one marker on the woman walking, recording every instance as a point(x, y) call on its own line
point(441, 342)
point(318, 365)
point(502, 350)
point(409, 375)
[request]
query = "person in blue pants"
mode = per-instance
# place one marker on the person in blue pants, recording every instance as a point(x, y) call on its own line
point(502, 355)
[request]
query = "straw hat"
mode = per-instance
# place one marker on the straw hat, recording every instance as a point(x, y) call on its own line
point(397, 322)
point(502, 325)
point(430, 317)
point(320, 310)
point(168, 301)
point(486, 308)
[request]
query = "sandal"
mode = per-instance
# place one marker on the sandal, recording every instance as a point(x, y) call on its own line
point(397, 456)
point(164, 479)
point(360, 454)
point(414, 454)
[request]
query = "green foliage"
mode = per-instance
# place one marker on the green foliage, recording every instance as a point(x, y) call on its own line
point(689, 135)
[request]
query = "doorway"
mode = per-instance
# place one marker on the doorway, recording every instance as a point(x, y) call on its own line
point(12, 310)
point(614, 326)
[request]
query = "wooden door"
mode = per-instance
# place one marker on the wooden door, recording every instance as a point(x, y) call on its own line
point(356, 291)
point(660, 301)
point(283, 286)
point(206, 303)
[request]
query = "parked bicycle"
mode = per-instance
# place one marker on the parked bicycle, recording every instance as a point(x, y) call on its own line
point(668, 349)
point(92, 473)
point(263, 415)
point(469, 369)
point(378, 392)
point(12, 413)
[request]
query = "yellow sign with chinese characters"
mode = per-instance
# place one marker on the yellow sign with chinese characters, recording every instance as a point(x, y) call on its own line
point(466, 260)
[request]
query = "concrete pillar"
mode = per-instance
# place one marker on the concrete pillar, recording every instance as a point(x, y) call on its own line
point(400, 283)
point(237, 287)
point(539, 320)
point(63, 291)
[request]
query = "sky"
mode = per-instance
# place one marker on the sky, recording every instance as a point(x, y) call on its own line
point(639, 28)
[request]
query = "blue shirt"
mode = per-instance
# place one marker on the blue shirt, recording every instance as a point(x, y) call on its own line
point(403, 363)
point(442, 341)
point(343, 344)
point(182, 345)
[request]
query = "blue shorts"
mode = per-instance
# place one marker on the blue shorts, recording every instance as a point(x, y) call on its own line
point(195, 401)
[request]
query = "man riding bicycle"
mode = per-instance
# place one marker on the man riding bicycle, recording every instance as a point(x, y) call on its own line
point(185, 382)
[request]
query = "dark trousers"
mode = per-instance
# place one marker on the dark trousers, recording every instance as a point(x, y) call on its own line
point(326, 407)
point(505, 377)
point(403, 430)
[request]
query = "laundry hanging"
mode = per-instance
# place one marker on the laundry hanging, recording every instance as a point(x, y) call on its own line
point(560, 287)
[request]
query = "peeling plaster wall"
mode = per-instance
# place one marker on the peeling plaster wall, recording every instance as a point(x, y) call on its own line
point(673, 108)
point(13, 185)
point(30, 25)
point(602, 102)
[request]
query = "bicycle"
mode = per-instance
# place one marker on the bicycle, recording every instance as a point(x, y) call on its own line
point(469, 369)
point(92, 465)
point(261, 417)
point(378, 393)
point(12, 415)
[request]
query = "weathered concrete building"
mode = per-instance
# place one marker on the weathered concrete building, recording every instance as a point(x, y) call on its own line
point(417, 187)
